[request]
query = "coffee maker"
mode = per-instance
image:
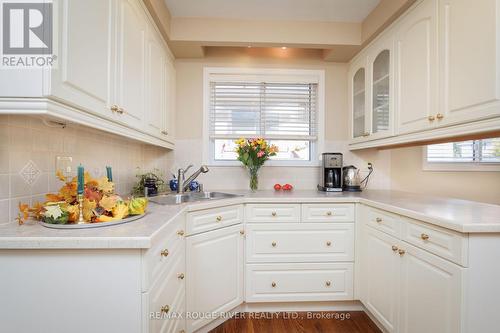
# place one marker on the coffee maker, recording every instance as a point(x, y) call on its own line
point(331, 177)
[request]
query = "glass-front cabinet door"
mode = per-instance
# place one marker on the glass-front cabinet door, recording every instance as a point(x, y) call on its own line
point(359, 103)
point(380, 110)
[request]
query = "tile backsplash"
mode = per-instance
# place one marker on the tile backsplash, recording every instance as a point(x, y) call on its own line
point(28, 150)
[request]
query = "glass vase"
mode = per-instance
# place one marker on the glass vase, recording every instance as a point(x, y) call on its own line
point(254, 178)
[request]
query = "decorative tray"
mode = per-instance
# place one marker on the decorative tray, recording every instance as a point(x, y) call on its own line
point(92, 225)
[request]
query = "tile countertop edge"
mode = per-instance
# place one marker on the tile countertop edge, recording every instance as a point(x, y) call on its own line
point(122, 241)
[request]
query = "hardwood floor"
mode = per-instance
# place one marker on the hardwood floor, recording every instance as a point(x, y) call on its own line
point(302, 322)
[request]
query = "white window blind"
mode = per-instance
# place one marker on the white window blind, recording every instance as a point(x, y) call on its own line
point(472, 151)
point(275, 111)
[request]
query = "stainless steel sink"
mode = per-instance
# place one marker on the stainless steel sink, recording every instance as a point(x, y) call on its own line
point(175, 199)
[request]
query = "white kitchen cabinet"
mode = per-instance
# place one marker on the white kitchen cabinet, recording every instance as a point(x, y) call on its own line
point(129, 90)
point(416, 60)
point(380, 277)
point(214, 278)
point(469, 60)
point(431, 293)
point(102, 75)
point(358, 100)
point(84, 75)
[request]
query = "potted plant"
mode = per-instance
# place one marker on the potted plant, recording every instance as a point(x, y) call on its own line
point(253, 153)
point(152, 180)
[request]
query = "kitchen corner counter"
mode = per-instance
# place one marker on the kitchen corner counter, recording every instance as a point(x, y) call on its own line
point(454, 214)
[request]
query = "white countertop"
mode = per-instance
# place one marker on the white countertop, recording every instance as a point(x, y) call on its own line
point(459, 215)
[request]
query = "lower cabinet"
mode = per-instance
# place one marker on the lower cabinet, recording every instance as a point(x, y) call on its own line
point(214, 276)
point(407, 289)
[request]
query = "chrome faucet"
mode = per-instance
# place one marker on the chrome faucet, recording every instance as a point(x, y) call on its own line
point(182, 183)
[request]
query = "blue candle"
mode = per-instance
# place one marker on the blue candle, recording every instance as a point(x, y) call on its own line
point(109, 174)
point(80, 179)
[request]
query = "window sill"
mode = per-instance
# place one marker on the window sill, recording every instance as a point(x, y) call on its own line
point(462, 167)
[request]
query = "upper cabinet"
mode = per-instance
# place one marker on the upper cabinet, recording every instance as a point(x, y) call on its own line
point(371, 91)
point(113, 72)
point(425, 78)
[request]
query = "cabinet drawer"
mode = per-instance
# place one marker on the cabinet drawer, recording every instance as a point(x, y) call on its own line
point(382, 220)
point(272, 213)
point(327, 213)
point(299, 282)
point(312, 242)
point(444, 243)
point(211, 219)
point(167, 246)
point(168, 293)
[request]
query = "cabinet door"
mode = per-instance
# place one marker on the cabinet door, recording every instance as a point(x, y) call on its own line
point(416, 63)
point(214, 278)
point(381, 85)
point(84, 74)
point(469, 60)
point(431, 293)
point(130, 70)
point(171, 100)
point(156, 87)
point(380, 265)
point(358, 100)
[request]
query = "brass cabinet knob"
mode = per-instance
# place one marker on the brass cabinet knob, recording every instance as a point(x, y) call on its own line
point(431, 118)
point(242, 232)
point(274, 214)
point(164, 252)
point(366, 134)
point(165, 309)
point(114, 108)
point(328, 283)
point(180, 276)
point(424, 236)
point(440, 116)
point(218, 218)
point(378, 219)
point(401, 252)
point(273, 244)
point(180, 232)
point(120, 111)
point(329, 213)
point(273, 284)
point(164, 132)
point(328, 243)
point(394, 248)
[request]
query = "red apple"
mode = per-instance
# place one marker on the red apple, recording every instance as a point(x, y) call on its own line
point(287, 187)
point(277, 187)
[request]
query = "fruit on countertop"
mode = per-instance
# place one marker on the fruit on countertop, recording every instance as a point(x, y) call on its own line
point(287, 187)
point(137, 206)
point(277, 187)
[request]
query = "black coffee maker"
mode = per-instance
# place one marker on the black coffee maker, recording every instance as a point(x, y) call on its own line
point(331, 177)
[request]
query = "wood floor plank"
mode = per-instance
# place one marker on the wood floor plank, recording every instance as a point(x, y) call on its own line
point(315, 322)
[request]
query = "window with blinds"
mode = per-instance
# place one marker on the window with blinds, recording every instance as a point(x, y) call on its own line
point(283, 113)
point(472, 151)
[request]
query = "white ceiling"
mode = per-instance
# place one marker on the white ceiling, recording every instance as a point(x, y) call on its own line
point(303, 10)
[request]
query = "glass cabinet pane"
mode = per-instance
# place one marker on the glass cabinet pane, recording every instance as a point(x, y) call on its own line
point(380, 86)
point(358, 103)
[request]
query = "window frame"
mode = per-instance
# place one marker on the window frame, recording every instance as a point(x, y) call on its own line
point(458, 166)
point(267, 75)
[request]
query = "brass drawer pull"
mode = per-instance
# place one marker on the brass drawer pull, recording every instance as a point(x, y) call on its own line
point(366, 134)
point(164, 132)
point(114, 108)
point(120, 111)
point(164, 253)
point(218, 218)
point(424, 237)
point(180, 276)
point(439, 116)
point(274, 214)
point(273, 284)
point(273, 244)
point(329, 213)
point(164, 309)
point(394, 248)
point(180, 232)
point(328, 283)
point(328, 243)
point(401, 252)
point(242, 232)
point(431, 118)
point(378, 220)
